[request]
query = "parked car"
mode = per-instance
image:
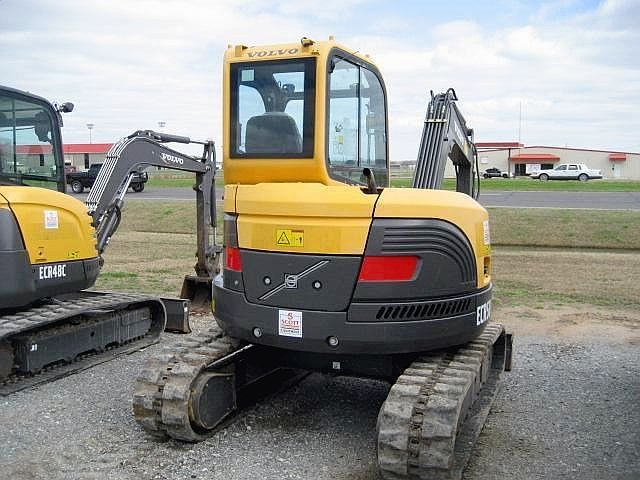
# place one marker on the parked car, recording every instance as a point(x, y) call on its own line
point(81, 180)
point(495, 172)
point(568, 171)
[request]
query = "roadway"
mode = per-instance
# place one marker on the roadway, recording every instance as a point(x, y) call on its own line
point(563, 200)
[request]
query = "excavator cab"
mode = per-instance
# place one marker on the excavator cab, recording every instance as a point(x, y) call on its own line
point(30, 143)
point(307, 112)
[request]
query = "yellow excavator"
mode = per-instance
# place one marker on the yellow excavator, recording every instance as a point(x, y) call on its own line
point(326, 268)
point(51, 246)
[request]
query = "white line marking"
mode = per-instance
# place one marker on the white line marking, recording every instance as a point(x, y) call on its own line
point(565, 208)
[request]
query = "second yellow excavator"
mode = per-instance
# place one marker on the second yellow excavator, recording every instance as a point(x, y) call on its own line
point(51, 246)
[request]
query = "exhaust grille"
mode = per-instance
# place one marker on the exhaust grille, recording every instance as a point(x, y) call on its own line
point(426, 310)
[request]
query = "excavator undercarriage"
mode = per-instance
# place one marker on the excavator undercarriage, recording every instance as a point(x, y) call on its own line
point(73, 332)
point(426, 428)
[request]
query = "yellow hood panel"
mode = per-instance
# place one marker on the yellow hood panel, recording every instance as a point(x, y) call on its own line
point(55, 227)
point(302, 217)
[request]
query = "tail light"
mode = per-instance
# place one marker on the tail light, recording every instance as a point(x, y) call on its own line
point(232, 259)
point(388, 269)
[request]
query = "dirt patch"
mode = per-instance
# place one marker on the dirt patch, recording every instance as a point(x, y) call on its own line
point(573, 323)
point(530, 277)
point(635, 341)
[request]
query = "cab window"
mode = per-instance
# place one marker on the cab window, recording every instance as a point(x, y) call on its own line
point(27, 155)
point(272, 109)
point(356, 123)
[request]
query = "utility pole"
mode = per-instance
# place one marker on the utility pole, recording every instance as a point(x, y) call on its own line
point(520, 123)
point(90, 127)
point(161, 126)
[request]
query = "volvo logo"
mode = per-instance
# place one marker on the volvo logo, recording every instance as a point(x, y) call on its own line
point(171, 159)
point(273, 53)
point(290, 281)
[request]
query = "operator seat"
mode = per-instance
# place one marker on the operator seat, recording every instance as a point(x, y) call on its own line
point(272, 132)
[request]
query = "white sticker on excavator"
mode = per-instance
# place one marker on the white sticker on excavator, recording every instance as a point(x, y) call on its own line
point(290, 323)
point(486, 232)
point(483, 312)
point(50, 219)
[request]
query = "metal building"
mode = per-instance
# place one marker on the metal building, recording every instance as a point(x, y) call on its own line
point(78, 156)
point(521, 160)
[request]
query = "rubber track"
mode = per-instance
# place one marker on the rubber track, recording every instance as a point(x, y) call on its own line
point(163, 388)
point(420, 419)
point(45, 315)
point(37, 317)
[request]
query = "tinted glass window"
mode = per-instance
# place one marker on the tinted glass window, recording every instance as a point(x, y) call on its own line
point(562, 167)
point(272, 108)
point(27, 155)
point(356, 124)
point(373, 151)
point(343, 114)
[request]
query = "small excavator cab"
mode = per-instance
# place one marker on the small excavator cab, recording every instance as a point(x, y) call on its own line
point(30, 143)
point(312, 112)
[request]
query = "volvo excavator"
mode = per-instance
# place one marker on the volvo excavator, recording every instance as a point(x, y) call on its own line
point(51, 247)
point(327, 269)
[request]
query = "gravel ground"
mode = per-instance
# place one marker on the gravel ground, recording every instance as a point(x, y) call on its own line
point(569, 409)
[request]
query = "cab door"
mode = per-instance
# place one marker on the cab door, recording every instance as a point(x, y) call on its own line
point(356, 120)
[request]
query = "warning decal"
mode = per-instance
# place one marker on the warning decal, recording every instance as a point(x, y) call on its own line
point(290, 323)
point(50, 219)
point(290, 238)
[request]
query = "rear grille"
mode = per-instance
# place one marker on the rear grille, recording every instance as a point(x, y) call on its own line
point(425, 310)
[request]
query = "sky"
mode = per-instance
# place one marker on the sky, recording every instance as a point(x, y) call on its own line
point(557, 73)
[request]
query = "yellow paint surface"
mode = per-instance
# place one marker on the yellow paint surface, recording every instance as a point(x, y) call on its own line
point(55, 227)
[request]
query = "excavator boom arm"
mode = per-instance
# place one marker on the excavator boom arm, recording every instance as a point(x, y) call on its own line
point(146, 148)
point(446, 135)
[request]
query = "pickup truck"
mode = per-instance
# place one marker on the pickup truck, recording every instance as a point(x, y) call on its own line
point(81, 180)
point(568, 171)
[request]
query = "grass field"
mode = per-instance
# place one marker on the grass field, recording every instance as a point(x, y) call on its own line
point(155, 247)
point(183, 180)
point(531, 185)
point(176, 181)
point(509, 226)
point(536, 277)
point(565, 228)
